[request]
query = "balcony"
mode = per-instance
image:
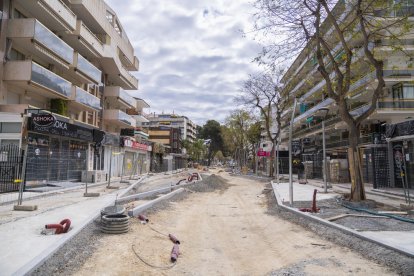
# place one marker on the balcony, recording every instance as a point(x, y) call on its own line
point(309, 112)
point(396, 104)
point(31, 76)
point(84, 41)
point(85, 101)
point(122, 77)
point(54, 13)
point(85, 71)
point(119, 98)
point(119, 118)
point(33, 38)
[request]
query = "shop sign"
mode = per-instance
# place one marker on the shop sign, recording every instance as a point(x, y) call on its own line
point(135, 145)
point(43, 120)
point(261, 152)
point(60, 128)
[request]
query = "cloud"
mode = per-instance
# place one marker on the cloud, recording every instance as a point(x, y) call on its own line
point(193, 56)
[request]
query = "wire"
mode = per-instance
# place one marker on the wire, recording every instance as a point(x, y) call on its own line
point(151, 265)
point(155, 230)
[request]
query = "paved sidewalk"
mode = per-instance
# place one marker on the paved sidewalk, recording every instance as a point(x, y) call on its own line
point(22, 245)
point(401, 240)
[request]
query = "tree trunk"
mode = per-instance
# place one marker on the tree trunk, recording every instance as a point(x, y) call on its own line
point(271, 161)
point(355, 166)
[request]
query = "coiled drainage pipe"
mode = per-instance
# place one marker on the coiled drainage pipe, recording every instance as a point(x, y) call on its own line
point(115, 224)
point(377, 214)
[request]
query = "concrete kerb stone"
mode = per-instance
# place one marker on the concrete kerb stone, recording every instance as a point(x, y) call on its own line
point(42, 257)
point(137, 210)
point(144, 194)
point(57, 191)
point(336, 226)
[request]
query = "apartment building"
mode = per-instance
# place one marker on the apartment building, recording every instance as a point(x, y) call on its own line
point(66, 72)
point(386, 141)
point(184, 124)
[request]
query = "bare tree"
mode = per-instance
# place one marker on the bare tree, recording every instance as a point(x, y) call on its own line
point(320, 28)
point(262, 92)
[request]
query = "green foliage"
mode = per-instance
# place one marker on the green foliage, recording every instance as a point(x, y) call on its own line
point(59, 106)
point(212, 130)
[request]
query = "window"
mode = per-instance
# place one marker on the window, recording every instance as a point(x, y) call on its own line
point(6, 142)
point(400, 91)
point(10, 127)
point(15, 55)
point(110, 17)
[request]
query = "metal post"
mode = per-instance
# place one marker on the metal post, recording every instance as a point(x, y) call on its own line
point(110, 168)
point(23, 176)
point(325, 184)
point(290, 154)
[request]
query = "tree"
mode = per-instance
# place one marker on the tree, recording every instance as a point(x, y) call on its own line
point(253, 136)
point(319, 26)
point(262, 92)
point(212, 131)
point(240, 134)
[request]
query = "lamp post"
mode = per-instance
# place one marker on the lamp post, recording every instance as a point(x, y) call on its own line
point(290, 153)
point(325, 181)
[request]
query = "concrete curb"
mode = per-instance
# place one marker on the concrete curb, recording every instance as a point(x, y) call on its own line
point(47, 253)
point(56, 191)
point(144, 194)
point(336, 226)
point(139, 209)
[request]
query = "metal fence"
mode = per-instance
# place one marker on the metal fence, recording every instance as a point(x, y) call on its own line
point(11, 164)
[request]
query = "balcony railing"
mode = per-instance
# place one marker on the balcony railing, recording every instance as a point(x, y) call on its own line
point(53, 42)
point(50, 80)
point(90, 38)
point(64, 12)
point(309, 112)
point(88, 69)
point(87, 99)
point(397, 104)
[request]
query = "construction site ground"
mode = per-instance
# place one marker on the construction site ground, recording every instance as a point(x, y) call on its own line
point(227, 225)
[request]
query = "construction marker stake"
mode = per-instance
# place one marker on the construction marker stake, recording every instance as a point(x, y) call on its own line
point(174, 253)
point(173, 239)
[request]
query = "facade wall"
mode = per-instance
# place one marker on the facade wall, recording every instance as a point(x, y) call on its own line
point(63, 65)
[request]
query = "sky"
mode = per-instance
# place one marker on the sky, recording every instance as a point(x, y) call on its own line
point(193, 54)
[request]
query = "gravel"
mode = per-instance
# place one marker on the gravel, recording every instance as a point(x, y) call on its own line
point(397, 262)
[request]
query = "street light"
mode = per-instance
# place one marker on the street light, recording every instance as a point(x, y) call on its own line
point(290, 153)
point(325, 183)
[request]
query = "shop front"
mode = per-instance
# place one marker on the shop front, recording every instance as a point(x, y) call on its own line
point(401, 154)
point(56, 150)
point(136, 157)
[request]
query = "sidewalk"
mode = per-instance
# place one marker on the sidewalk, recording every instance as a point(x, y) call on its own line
point(402, 241)
point(22, 245)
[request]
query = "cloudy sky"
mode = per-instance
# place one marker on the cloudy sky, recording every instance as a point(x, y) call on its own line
point(193, 56)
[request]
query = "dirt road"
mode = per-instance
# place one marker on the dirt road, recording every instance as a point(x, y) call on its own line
point(226, 232)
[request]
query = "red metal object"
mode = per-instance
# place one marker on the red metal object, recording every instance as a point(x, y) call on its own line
point(62, 227)
point(173, 239)
point(143, 218)
point(174, 253)
point(314, 209)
